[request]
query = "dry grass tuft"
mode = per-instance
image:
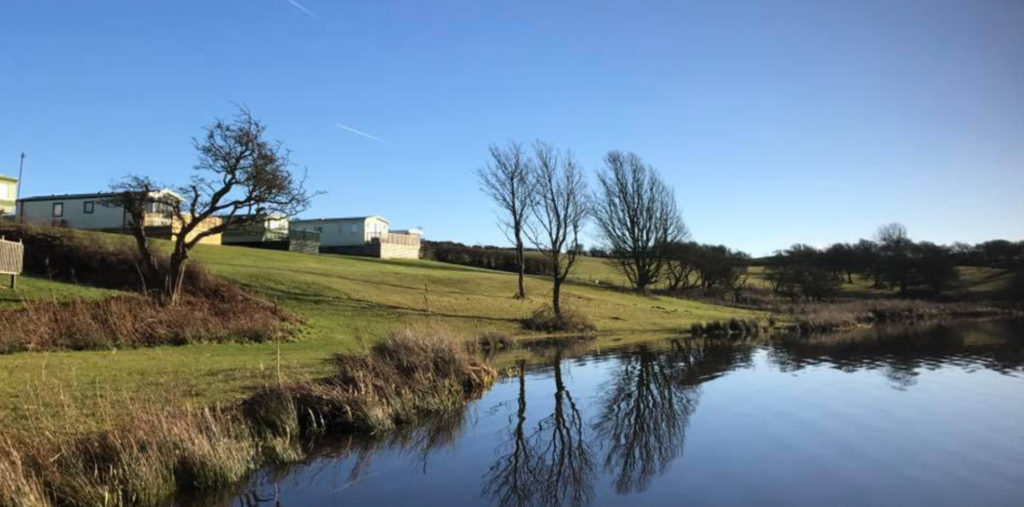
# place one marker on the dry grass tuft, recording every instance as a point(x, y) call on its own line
point(19, 485)
point(143, 462)
point(544, 319)
point(409, 375)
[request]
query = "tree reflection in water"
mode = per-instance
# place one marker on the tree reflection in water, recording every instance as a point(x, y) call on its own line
point(552, 465)
point(510, 480)
point(643, 419)
point(630, 429)
point(640, 426)
point(900, 353)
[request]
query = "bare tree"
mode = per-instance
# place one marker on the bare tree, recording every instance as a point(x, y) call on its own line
point(638, 217)
point(239, 178)
point(560, 209)
point(895, 252)
point(508, 181)
point(891, 233)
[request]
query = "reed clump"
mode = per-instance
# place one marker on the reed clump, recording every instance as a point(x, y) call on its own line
point(142, 462)
point(409, 375)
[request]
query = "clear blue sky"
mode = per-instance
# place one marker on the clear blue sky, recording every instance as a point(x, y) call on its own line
point(775, 122)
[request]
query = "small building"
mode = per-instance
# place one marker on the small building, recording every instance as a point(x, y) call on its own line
point(369, 235)
point(97, 211)
point(8, 194)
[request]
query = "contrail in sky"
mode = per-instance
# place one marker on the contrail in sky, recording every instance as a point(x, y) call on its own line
point(361, 133)
point(303, 8)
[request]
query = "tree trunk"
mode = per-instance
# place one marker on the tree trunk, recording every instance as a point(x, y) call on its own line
point(521, 259)
point(151, 272)
point(175, 276)
point(556, 297)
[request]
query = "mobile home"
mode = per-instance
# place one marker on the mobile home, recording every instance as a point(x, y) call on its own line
point(367, 235)
point(8, 193)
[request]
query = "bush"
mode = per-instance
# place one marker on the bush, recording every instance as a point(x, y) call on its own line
point(544, 319)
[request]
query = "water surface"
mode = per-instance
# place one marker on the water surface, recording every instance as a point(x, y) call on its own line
point(880, 417)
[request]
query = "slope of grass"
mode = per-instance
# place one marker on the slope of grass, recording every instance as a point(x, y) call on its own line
point(40, 289)
point(348, 302)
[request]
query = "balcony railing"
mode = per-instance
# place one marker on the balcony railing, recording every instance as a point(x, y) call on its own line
point(395, 239)
point(153, 219)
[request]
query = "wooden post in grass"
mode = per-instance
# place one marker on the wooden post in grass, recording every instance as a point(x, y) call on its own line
point(12, 255)
point(278, 339)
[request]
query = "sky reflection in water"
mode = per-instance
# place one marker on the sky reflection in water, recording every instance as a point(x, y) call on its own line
point(880, 417)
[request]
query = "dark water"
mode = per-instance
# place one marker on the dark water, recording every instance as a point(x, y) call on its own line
point(882, 417)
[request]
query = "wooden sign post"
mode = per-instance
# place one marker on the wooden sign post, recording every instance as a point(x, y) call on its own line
point(12, 258)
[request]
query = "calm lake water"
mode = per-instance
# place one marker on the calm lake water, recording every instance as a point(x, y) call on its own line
point(880, 417)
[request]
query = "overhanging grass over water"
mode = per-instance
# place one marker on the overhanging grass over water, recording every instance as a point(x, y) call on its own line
point(156, 452)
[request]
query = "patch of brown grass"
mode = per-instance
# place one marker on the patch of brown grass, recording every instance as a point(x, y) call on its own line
point(137, 321)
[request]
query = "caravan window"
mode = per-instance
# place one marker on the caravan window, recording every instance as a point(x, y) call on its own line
point(58, 209)
point(88, 207)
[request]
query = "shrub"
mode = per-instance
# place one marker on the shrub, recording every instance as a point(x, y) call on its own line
point(544, 319)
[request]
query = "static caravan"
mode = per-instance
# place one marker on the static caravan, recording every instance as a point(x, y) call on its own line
point(8, 193)
point(367, 235)
point(98, 212)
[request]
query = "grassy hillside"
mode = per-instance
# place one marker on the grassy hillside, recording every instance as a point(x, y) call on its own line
point(37, 289)
point(348, 302)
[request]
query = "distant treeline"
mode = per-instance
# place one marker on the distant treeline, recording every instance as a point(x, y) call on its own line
point(891, 261)
point(488, 257)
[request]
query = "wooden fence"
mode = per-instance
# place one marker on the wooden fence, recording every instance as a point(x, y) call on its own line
point(12, 258)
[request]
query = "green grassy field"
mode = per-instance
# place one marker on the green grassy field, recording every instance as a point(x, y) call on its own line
point(39, 289)
point(348, 302)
